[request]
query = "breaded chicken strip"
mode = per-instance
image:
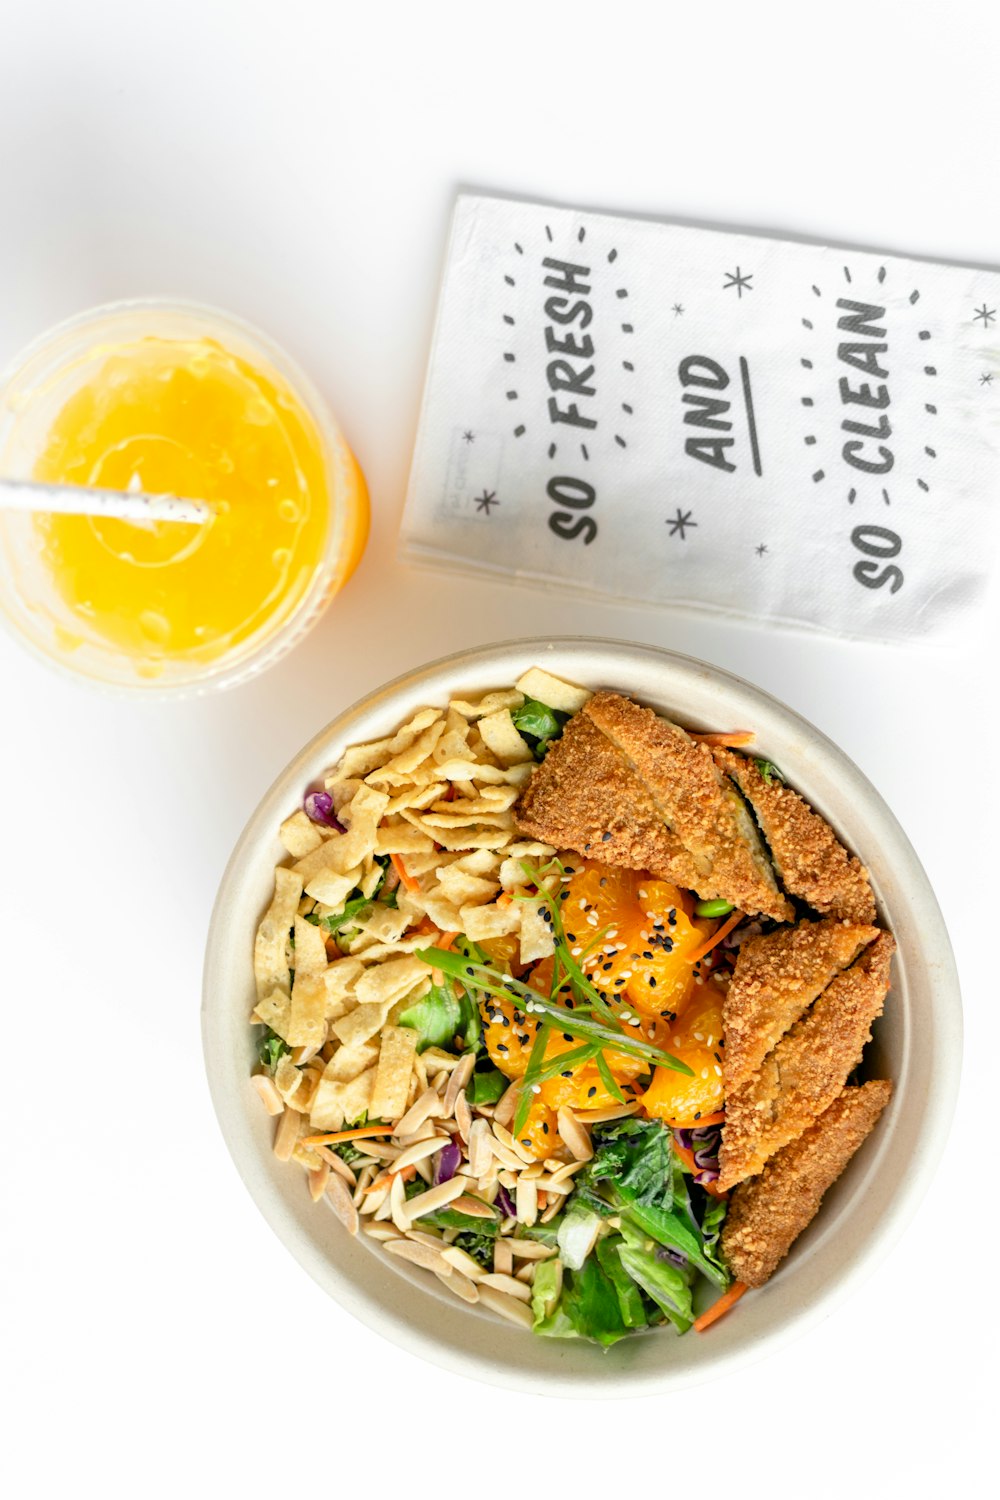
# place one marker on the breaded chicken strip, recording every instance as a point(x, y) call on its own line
point(777, 977)
point(696, 803)
point(806, 1071)
point(768, 1213)
point(585, 790)
point(810, 861)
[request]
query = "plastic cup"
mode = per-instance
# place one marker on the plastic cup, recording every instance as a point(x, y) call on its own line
point(33, 393)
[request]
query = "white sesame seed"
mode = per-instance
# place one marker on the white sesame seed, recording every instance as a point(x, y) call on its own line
point(536, 1088)
point(576, 954)
point(698, 1037)
point(633, 1020)
point(704, 1072)
point(643, 895)
point(718, 1071)
point(582, 904)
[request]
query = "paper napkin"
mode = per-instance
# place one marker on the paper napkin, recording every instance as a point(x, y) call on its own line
point(648, 412)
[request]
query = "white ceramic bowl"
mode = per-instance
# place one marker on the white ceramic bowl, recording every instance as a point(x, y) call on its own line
point(917, 1044)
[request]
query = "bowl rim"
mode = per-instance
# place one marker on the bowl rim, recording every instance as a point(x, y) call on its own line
point(937, 1108)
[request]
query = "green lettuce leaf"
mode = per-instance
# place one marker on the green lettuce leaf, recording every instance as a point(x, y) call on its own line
point(446, 1011)
point(665, 1284)
point(539, 724)
point(590, 1302)
point(629, 1296)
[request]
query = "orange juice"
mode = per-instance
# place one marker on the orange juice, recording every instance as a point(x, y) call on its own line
point(194, 406)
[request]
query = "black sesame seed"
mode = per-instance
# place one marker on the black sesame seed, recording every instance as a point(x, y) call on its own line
point(646, 953)
point(652, 982)
point(567, 1037)
point(586, 848)
point(567, 1074)
point(603, 881)
point(502, 1047)
point(545, 1128)
point(525, 1141)
point(697, 1114)
point(605, 838)
point(591, 1092)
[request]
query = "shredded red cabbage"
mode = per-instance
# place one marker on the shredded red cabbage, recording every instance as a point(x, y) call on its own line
point(675, 1257)
point(448, 1163)
point(503, 1198)
point(319, 807)
point(704, 1144)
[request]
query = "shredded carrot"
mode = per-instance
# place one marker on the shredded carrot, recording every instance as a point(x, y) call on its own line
point(410, 881)
point(503, 899)
point(447, 941)
point(719, 1118)
point(720, 932)
point(363, 1133)
point(733, 740)
point(406, 1173)
point(725, 1302)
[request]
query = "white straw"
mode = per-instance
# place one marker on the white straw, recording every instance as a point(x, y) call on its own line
point(80, 500)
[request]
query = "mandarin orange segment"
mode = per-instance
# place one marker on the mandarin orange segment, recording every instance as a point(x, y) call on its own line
point(643, 937)
point(697, 1040)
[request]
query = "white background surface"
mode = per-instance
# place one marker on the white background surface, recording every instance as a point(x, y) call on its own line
point(296, 162)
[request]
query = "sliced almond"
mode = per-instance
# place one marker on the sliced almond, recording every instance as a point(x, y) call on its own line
point(473, 1208)
point(480, 1148)
point(365, 1179)
point(317, 1180)
point(419, 1151)
point(510, 1308)
point(508, 1284)
point(526, 1201)
point(503, 1134)
point(427, 1103)
point(286, 1134)
point(562, 1188)
point(459, 1078)
point(566, 1170)
point(463, 1116)
point(461, 1285)
point(506, 1107)
point(529, 1249)
point(463, 1263)
point(503, 1259)
point(434, 1198)
point(336, 1164)
point(269, 1096)
point(575, 1137)
point(342, 1203)
point(398, 1207)
point(421, 1237)
point(419, 1255)
point(381, 1231)
point(613, 1112)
